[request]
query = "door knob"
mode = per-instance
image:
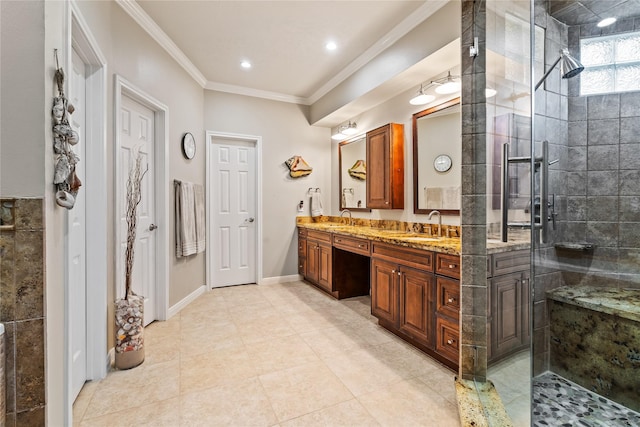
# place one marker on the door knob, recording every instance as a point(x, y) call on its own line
point(250, 219)
point(152, 227)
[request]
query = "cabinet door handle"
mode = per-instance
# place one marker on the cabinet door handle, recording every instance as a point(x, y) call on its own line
point(393, 272)
point(452, 265)
point(451, 299)
point(361, 246)
point(450, 341)
point(398, 273)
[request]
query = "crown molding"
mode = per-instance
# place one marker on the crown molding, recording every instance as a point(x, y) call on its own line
point(427, 9)
point(134, 10)
point(257, 93)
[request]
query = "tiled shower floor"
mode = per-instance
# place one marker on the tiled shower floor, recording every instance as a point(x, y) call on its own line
point(559, 402)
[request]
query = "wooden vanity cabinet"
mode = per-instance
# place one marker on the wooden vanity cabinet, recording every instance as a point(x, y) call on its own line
point(385, 167)
point(402, 292)
point(447, 270)
point(318, 259)
point(509, 299)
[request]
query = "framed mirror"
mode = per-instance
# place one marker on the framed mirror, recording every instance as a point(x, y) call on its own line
point(437, 159)
point(352, 155)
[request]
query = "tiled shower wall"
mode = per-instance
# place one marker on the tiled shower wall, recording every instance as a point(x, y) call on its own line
point(604, 192)
point(21, 311)
point(597, 139)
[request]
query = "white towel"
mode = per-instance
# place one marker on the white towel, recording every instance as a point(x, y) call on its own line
point(201, 239)
point(185, 220)
point(316, 204)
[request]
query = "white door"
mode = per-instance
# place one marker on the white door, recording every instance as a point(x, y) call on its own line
point(76, 237)
point(137, 135)
point(233, 212)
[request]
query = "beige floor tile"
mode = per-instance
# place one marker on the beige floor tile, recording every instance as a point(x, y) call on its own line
point(159, 331)
point(362, 371)
point(203, 318)
point(215, 368)
point(302, 389)
point(216, 335)
point(345, 414)
point(161, 350)
point(209, 301)
point(253, 312)
point(410, 403)
point(404, 359)
point(84, 397)
point(164, 413)
point(335, 341)
point(442, 381)
point(264, 329)
point(519, 410)
point(242, 403)
point(312, 320)
point(281, 353)
point(139, 386)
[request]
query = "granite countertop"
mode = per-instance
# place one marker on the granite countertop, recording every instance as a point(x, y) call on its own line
point(394, 237)
point(415, 240)
point(619, 302)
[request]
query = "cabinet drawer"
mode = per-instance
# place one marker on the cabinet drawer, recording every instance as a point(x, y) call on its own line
point(509, 262)
point(302, 233)
point(447, 339)
point(448, 297)
point(410, 257)
point(448, 265)
point(319, 236)
point(352, 244)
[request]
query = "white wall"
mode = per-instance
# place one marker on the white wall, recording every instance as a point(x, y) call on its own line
point(396, 110)
point(285, 132)
point(134, 55)
point(23, 98)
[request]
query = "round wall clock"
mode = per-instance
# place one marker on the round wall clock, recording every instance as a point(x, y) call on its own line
point(442, 163)
point(188, 146)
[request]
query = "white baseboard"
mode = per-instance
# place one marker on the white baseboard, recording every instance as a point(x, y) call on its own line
point(280, 279)
point(175, 309)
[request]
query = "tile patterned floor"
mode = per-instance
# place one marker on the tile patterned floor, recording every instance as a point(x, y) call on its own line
point(273, 355)
point(559, 402)
point(512, 379)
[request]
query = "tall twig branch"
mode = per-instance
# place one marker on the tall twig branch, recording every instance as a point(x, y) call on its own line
point(134, 196)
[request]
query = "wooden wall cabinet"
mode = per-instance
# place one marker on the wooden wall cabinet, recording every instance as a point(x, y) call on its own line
point(385, 167)
point(508, 303)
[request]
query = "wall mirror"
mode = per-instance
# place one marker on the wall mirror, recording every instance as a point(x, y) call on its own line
point(437, 159)
point(352, 156)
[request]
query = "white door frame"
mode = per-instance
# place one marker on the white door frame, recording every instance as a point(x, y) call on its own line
point(80, 38)
point(122, 87)
point(257, 141)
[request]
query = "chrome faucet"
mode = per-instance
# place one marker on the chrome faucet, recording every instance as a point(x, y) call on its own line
point(349, 212)
point(432, 213)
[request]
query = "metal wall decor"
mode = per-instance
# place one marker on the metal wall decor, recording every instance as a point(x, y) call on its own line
point(64, 138)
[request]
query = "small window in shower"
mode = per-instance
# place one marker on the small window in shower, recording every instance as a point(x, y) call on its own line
point(611, 64)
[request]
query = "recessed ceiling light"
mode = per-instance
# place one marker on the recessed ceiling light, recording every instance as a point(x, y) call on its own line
point(606, 22)
point(245, 64)
point(331, 46)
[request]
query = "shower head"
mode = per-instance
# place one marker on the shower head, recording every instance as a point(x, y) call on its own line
point(569, 67)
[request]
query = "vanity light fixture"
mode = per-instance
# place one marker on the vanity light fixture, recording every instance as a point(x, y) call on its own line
point(350, 129)
point(606, 22)
point(339, 135)
point(447, 84)
point(421, 98)
point(345, 131)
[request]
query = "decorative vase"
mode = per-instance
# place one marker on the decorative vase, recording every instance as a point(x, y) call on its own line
point(129, 349)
